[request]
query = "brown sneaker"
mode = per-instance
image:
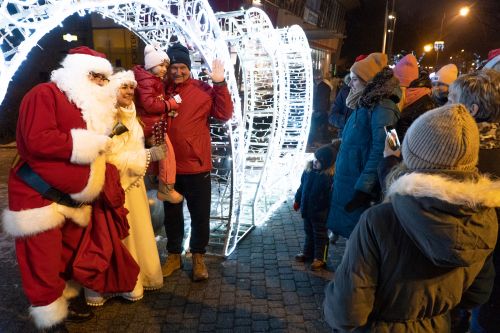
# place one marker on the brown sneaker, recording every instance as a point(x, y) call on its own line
point(318, 265)
point(167, 193)
point(173, 264)
point(200, 272)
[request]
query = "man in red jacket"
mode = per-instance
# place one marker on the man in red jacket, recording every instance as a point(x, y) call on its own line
point(189, 133)
point(62, 133)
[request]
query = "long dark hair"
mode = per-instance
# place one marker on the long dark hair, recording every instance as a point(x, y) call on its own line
point(380, 87)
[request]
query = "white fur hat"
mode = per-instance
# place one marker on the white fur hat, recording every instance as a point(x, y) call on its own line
point(119, 78)
point(153, 57)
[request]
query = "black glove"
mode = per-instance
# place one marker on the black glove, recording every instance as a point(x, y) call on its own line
point(360, 199)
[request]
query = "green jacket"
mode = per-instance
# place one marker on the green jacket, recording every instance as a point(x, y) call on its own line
point(416, 256)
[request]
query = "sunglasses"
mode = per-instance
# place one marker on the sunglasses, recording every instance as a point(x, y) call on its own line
point(99, 76)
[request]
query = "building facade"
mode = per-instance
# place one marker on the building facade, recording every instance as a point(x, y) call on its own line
point(323, 21)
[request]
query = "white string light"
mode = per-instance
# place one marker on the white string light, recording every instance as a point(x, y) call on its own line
point(258, 154)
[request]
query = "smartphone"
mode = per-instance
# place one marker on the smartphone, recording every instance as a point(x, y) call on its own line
point(392, 137)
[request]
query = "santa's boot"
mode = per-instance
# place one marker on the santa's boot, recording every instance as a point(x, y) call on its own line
point(166, 192)
point(200, 272)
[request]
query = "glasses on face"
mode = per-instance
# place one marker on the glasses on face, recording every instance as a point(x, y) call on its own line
point(99, 76)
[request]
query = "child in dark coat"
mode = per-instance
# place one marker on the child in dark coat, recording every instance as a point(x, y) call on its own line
point(313, 199)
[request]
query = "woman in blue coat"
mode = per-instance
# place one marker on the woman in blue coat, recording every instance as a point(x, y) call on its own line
point(374, 96)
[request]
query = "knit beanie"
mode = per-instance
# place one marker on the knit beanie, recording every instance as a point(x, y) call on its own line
point(326, 156)
point(153, 57)
point(446, 138)
point(447, 74)
point(406, 70)
point(493, 59)
point(369, 66)
point(179, 54)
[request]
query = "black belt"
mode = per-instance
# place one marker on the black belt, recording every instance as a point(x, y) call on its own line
point(48, 192)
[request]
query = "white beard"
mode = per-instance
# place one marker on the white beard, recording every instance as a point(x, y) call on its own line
point(96, 103)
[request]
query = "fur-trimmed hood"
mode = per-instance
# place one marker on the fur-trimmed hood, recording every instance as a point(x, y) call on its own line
point(452, 222)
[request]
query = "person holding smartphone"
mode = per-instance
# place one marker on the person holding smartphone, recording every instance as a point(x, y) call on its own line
point(374, 96)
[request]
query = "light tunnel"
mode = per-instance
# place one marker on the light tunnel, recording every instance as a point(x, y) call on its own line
point(259, 153)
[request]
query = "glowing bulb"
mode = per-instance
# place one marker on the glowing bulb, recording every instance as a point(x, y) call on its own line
point(464, 11)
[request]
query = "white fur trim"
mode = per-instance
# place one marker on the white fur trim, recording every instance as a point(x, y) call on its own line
point(485, 192)
point(119, 78)
point(88, 63)
point(95, 182)
point(50, 315)
point(87, 145)
point(36, 220)
point(72, 289)
point(31, 221)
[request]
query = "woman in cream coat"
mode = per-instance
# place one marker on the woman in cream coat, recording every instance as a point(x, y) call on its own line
point(132, 159)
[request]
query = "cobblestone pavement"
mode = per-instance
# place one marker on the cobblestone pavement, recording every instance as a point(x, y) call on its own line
point(259, 288)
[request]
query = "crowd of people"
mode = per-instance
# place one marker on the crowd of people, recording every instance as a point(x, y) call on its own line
point(420, 216)
point(418, 206)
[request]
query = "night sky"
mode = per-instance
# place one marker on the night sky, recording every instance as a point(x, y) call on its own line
point(418, 23)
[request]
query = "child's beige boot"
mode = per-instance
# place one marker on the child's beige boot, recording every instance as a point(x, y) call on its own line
point(166, 192)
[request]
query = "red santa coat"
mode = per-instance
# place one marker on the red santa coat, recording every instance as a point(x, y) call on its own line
point(189, 132)
point(52, 138)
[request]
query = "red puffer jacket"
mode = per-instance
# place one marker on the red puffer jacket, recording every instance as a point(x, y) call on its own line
point(149, 98)
point(189, 132)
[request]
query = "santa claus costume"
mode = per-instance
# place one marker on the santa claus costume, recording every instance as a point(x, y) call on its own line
point(62, 133)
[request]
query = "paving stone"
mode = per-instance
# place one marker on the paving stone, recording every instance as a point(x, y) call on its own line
point(259, 288)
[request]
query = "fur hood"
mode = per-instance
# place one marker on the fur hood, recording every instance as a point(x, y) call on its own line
point(452, 222)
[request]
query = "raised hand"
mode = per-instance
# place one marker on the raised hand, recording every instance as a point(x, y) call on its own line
point(217, 73)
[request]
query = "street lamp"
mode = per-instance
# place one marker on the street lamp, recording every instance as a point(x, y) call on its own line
point(427, 48)
point(464, 11)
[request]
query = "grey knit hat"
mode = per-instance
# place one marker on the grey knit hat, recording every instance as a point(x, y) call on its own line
point(446, 138)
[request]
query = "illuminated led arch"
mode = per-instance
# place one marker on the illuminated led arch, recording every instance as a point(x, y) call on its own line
point(268, 133)
point(277, 87)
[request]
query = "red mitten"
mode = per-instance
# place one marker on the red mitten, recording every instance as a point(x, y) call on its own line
point(296, 206)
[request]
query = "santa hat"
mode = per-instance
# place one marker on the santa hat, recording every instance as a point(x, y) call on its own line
point(360, 57)
point(493, 58)
point(371, 65)
point(447, 74)
point(154, 57)
point(119, 78)
point(84, 59)
point(406, 70)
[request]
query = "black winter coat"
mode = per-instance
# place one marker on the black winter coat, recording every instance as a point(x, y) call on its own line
point(314, 192)
point(412, 112)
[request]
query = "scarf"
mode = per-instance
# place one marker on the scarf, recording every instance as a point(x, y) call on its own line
point(489, 135)
point(414, 94)
point(353, 99)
